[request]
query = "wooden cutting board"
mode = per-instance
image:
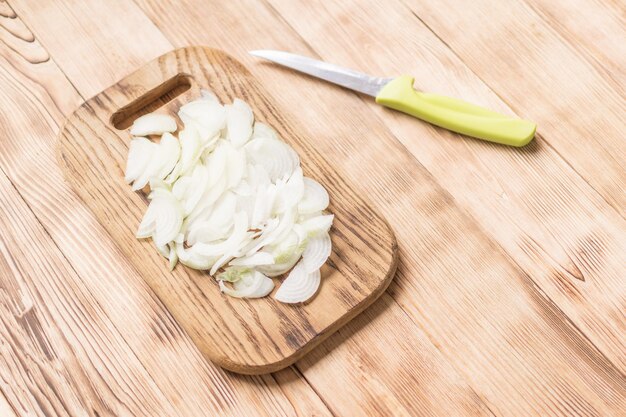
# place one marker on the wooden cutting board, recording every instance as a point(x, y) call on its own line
point(245, 336)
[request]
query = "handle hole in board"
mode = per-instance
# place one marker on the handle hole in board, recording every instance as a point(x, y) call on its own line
point(151, 101)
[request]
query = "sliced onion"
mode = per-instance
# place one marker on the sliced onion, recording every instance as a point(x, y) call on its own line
point(191, 258)
point(285, 254)
point(168, 152)
point(218, 161)
point(139, 155)
point(261, 130)
point(291, 193)
point(316, 226)
point(233, 274)
point(168, 221)
point(215, 223)
point(259, 258)
point(278, 158)
point(265, 198)
point(239, 120)
point(181, 187)
point(229, 245)
point(316, 252)
point(315, 197)
point(257, 176)
point(209, 145)
point(190, 152)
point(265, 289)
point(207, 200)
point(258, 240)
point(196, 188)
point(230, 195)
point(207, 116)
point(156, 183)
point(206, 232)
point(244, 189)
point(235, 166)
point(153, 124)
point(148, 223)
point(251, 285)
point(222, 212)
point(299, 286)
point(163, 219)
point(162, 161)
point(277, 233)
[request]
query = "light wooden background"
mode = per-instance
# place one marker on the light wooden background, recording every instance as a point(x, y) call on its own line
point(511, 289)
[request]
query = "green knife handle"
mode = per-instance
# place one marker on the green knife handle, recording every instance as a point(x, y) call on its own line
point(455, 115)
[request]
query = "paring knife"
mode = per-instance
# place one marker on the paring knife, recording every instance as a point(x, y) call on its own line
point(398, 93)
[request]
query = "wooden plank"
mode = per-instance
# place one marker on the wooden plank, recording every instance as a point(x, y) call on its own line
point(543, 79)
point(549, 220)
point(299, 392)
point(486, 315)
point(595, 28)
point(125, 56)
point(34, 97)
point(5, 408)
point(52, 362)
point(244, 336)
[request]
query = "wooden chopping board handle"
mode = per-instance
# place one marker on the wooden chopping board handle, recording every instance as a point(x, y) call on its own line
point(146, 90)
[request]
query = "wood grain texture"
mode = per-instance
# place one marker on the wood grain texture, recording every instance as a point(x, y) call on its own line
point(386, 381)
point(583, 118)
point(469, 344)
point(595, 28)
point(246, 336)
point(108, 64)
point(550, 221)
point(34, 98)
point(463, 266)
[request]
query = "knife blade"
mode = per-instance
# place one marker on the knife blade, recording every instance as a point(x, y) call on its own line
point(335, 74)
point(398, 93)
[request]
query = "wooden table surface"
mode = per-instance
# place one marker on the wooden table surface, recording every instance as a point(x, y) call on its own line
point(510, 295)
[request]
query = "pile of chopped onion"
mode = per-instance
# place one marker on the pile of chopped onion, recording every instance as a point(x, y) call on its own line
point(228, 196)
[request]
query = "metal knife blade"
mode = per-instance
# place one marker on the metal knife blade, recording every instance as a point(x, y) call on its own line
point(335, 74)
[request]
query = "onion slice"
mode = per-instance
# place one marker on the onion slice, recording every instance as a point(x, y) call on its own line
point(229, 196)
point(316, 252)
point(163, 219)
point(252, 284)
point(162, 161)
point(259, 258)
point(315, 197)
point(317, 225)
point(190, 152)
point(207, 116)
point(278, 158)
point(291, 193)
point(191, 258)
point(153, 124)
point(299, 286)
point(239, 120)
point(139, 155)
